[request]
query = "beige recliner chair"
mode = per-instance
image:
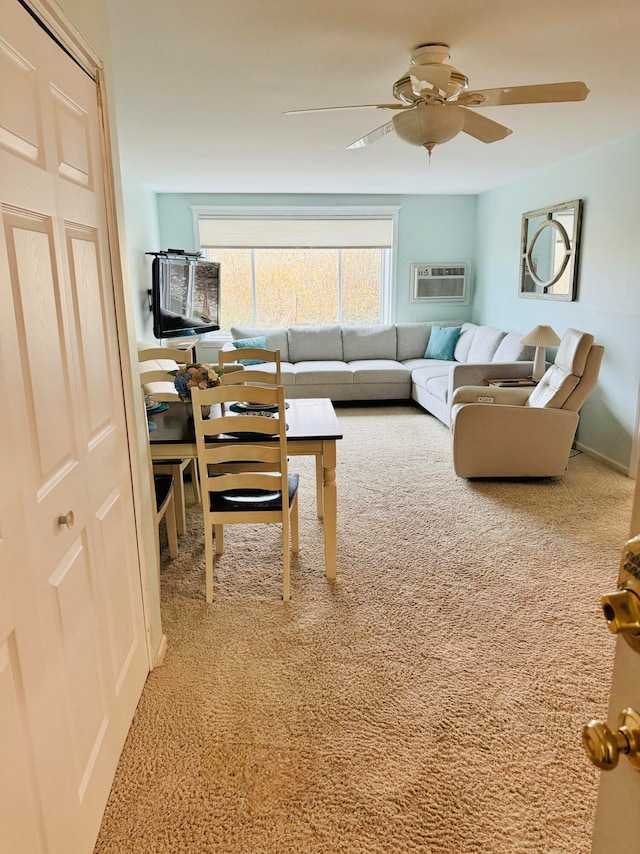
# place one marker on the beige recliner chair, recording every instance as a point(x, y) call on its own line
point(525, 432)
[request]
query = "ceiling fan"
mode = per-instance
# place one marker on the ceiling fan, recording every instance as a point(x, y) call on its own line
point(434, 102)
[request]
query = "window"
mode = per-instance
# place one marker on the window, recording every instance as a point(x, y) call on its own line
point(283, 267)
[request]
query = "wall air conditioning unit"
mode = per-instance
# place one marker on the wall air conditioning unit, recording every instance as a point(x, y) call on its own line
point(440, 282)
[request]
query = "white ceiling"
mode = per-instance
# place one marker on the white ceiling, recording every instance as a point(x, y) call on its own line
point(201, 86)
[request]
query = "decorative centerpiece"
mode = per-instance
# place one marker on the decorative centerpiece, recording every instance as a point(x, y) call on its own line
point(195, 376)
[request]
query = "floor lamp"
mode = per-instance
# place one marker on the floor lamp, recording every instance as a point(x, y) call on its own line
point(540, 337)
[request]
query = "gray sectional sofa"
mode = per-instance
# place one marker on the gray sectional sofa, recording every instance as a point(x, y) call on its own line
point(387, 362)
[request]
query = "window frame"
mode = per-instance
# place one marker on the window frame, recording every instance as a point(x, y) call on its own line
point(389, 212)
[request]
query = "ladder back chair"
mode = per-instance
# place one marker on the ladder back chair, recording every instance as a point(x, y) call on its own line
point(164, 507)
point(245, 480)
point(264, 366)
point(155, 364)
point(156, 380)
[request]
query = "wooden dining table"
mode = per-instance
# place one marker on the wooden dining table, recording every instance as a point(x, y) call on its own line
point(313, 430)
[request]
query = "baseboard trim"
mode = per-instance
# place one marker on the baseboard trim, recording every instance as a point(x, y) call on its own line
point(159, 653)
point(601, 457)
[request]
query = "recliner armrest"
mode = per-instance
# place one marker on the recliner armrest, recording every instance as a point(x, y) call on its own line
point(491, 395)
point(476, 373)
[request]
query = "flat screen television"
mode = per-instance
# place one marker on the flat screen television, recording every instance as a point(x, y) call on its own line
point(185, 294)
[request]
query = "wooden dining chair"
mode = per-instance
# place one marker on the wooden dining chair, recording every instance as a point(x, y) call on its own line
point(243, 480)
point(165, 509)
point(265, 367)
point(155, 364)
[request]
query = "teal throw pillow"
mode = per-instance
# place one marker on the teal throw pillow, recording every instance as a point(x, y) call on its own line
point(442, 342)
point(259, 342)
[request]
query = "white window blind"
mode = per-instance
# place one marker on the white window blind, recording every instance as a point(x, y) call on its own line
point(295, 233)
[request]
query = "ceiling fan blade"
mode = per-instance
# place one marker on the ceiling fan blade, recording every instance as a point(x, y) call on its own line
point(428, 77)
point(374, 136)
point(482, 128)
point(351, 107)
point(544, 93)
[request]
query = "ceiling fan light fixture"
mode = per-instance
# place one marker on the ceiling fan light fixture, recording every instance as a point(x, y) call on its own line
point(433, 101)
point(429, 71)
point(432, 52)
point(430, 124)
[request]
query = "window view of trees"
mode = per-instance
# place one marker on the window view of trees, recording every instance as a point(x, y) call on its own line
point(283, 287)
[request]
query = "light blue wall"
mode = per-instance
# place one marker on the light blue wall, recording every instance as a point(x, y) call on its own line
point(430, 228)
point(486, 231)
point(141, 222)
point(608, 299)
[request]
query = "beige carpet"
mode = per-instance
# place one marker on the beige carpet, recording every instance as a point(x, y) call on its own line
point(431, 700)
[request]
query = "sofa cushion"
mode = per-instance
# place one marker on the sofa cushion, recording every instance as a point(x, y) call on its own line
point(379, 371)
point(276, 338)
point(322, 371)
point(463, 344)
point(573, 351)
point(287, 373)
point(484, 345)
point(435, 368)
point(412, 339)
point(511, 349)
point(314, 342)
point(442, 342)
point(553, 390)
point(368, 342)
point(259, 343)
point(438, 387)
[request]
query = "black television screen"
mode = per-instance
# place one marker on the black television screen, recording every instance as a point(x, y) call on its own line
point(185, 294)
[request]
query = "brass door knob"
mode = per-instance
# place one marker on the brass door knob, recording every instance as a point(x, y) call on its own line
point(622, 611)
point(67, 520)
point(603, 746)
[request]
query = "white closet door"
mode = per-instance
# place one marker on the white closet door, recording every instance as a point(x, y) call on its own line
point(73, 656)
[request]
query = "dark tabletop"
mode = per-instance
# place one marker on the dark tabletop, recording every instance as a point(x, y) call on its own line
point(307, 418)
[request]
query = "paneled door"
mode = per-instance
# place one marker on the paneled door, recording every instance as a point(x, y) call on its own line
point(73, 653)
point(617, 822)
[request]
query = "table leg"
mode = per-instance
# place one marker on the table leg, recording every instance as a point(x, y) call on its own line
point(319, 487)
point(330, 509)
point(178, 493)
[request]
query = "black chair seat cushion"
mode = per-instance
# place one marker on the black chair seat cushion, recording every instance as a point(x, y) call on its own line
point(252, 499)
point(163, 484)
